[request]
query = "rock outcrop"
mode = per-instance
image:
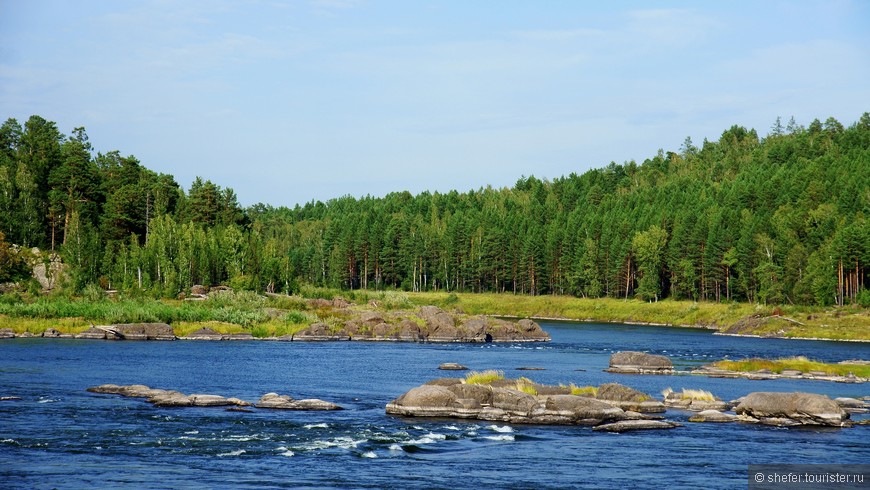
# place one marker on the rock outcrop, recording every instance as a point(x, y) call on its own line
point(631, 362)
point(285, 402)
point(171, 398)
point(453, 398)
point(168, 398)
point(629, 425)
point(628, 398)
point(426, 324)
point(713, 416)
point(787, 409)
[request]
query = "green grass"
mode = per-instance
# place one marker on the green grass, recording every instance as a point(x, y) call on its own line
point(796, 363)
point(483, 377)
point(278, 315)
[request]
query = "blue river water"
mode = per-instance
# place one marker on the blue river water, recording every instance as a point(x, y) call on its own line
point(60, 436)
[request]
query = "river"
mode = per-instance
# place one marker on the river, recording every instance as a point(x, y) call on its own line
point(60, 436)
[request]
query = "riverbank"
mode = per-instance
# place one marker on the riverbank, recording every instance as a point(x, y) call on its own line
point(240, 313)
point(804, 322)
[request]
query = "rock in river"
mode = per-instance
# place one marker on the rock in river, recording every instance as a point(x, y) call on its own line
point(498, 403)
point(629, 425)
point(631, 362)
point(628, 398)
point(785, 409)
point(452, 366)
point(285, 402)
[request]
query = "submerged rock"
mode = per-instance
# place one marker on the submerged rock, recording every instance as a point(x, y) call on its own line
point(629, 425)
point(452, 366)
point(631, 362)
point(786, 409)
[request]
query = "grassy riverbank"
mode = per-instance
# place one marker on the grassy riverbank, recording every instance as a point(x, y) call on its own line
point(845, 323)
point(237, 312)
point(800, 363)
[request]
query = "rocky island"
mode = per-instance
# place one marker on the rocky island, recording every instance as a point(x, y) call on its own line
point(521, 401)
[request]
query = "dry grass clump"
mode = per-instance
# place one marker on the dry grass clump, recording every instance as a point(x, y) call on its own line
point(526, 386)
point(582, 390)
point(484, 377)
point(690, 394)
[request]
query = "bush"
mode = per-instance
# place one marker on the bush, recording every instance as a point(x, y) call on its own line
point(94, 293)
point(244, 300)
point(392, 300)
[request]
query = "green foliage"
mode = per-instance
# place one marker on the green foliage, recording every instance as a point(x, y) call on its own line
point(393, 300)
point(780, 219)
point(13, 264)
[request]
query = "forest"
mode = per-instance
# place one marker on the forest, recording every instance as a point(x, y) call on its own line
point(778, 219)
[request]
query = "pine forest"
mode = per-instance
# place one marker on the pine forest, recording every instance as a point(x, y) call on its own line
point(778, 219)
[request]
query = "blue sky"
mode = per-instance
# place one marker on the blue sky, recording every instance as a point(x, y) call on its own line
point(287, 102)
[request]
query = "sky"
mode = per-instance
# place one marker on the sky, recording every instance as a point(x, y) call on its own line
point(287, 102)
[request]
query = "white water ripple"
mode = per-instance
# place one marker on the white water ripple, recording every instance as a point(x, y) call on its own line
point(504, 429)
point(232, 453)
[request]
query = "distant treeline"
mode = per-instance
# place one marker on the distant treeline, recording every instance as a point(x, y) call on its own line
point(779, 219)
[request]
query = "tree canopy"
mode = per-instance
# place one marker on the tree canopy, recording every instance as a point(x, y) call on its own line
point(778, 219)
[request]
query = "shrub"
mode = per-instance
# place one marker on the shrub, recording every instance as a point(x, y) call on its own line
point(296, 316)
point(93, 293)
point(245, 300)
point(392, 300)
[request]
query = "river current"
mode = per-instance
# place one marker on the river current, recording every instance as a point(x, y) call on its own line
point(60, 436)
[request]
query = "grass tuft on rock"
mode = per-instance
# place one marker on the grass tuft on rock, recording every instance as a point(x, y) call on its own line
point(583, 390)
point(484, 377)
point(690, 394)
point(526, 386)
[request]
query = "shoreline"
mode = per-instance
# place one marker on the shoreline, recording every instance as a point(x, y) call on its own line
point(680, 325)
point(8, 333)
